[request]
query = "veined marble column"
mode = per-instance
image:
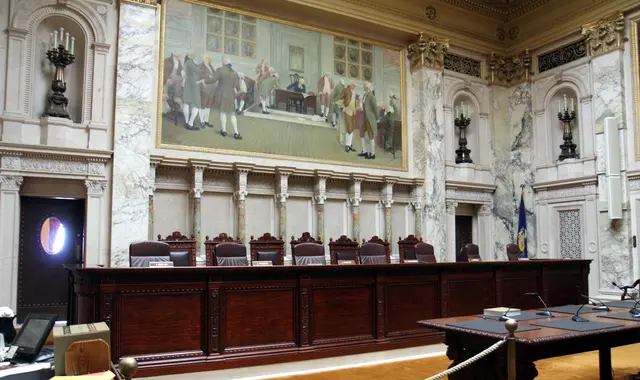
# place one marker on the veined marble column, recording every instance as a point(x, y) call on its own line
point(386, 193)
point(319, 196)
point(485, 233)
point(134, 118)
point(605, 41)
point(282, 187)
point(417, 194)
point(198, 180)
point(426, 57)
point(152, 181)
point(94, 253)
point(240, 195)
point(10, 235)
point(451, 231)
point(355, 199)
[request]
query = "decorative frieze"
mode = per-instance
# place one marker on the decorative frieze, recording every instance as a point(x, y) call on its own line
point(562, 55)
point(509, 70)
point(148, 3)
point(427, 52)
point(605, 35)
point(580, 190)
point(469, 196)
point(463, 65)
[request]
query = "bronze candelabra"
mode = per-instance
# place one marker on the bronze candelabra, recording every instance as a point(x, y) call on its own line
point(462, 153)
point(568, 148)
point(60, 56)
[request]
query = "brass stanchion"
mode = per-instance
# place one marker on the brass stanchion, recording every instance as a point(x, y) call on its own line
point(511, 326)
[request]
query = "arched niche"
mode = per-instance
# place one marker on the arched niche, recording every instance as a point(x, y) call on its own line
point(466, 103)
point(555, 104)
point(44, 70)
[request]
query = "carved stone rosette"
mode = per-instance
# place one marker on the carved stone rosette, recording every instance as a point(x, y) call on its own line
point(605, 35)
point(509, 70)
point(427, 52)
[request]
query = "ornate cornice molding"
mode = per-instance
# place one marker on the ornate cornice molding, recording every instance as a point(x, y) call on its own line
point(147, 3)
point(428, 52)
point(509, 70)
point(605, 35)
point(505, 15)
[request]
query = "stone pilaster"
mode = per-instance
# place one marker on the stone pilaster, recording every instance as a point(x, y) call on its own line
point(485, 232)
point(95, 253)
point(196, 191)
point(605, 41)
point(152, 190)
point(319, 197)
point(239, 196)
point(451, 231)
point(282, 193)
point(427, 57)
point(386, 200)
point(9, 233)
point(417, 195)
point(355, 197)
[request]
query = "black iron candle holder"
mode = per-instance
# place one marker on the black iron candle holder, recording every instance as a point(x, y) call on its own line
point(568, 148)
point(463, 154)
point(60, 57)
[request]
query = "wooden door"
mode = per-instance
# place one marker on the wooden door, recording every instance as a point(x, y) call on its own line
point(464, 231)
point(51, 234)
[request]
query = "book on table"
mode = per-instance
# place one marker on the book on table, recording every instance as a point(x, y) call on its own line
point(500, 311)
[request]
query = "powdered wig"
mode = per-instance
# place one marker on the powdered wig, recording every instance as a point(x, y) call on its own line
point(226, 60)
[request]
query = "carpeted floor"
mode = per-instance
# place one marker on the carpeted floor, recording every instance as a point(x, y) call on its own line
point(625, 362)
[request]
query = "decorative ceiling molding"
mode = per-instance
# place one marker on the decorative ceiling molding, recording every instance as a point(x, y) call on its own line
point(502, 10)
point(605, 35)
point(427, 52)
point(509, 70)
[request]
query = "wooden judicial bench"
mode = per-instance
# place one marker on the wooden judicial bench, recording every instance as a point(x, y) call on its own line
point(186, 319)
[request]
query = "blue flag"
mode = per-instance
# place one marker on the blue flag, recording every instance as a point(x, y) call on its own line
point(522, 228)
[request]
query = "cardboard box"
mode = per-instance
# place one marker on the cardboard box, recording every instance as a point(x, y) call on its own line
point(64, 336)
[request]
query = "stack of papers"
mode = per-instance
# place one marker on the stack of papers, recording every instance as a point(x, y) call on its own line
point(94, 376)
point(500, 311)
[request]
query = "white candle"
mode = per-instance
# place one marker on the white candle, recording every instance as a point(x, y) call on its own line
point(61, 35)
point(73, 45)
point(462, 107)
point(457, 111)
point(559, 106)
point(571, 104)
point(565, 101)
point(66, 43)
point(50, 41)
point(55, 39)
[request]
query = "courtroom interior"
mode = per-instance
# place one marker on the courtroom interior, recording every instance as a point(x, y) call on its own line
point(285, 189)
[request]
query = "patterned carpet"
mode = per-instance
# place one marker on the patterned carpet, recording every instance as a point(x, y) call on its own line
point(625, 362)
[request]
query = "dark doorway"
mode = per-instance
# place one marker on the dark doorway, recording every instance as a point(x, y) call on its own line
point(464, 231)
point(51, 232)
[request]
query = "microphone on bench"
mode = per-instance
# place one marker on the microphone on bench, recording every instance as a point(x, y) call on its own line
point(593, 301)
point(576, 317)
point(635, 312)
point(504, 316)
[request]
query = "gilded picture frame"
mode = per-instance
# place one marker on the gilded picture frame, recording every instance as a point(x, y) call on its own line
point(635, 67)
point(234, 44)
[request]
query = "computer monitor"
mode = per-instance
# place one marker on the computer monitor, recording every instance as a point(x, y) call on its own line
point(33, 334)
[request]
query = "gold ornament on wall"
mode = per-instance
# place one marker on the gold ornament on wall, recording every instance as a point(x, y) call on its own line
point(605, 35)
point(149, 3)
point(427, 52)
point(509, 70)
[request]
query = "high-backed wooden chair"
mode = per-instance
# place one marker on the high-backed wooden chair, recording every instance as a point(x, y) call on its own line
point(210, 245)
point(230, 254)
point(267, 248)
point(343, 249)
point(513, 253)
point(85, 357)
point(144, 252)
point(307, 250)
point(369, 251)
point(425, 253)
point(182, 248)
point(471, 253)
point(407, 247)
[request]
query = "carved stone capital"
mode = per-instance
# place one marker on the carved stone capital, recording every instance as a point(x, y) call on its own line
point(239, 195)
point(485, 210)
point(10, 182)
point(197, 193)
point(95, 187)
point(451, 207)
point(427, 52)
point(417, 206)
point(198, 180)
point(355, 193)
point(386, 203)
point(354, 202)
point(281, 198)
point(386, 194)
point(605, 35)
point(319, 199)
point(509, 70)
point(241, 184)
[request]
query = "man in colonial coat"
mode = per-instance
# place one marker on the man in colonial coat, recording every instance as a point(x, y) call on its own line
point(334, 110)
point(225, 97)
point(172, 82)
point(347, 100)
point(207, 89)
point(267, 85)
point(325, 89)
point(370, 105)
point(241, 93)
point(191, 92)
point(392, 113)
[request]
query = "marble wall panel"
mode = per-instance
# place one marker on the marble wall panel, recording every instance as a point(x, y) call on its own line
point(218, 215)
point(261, 216)
point(172, 212)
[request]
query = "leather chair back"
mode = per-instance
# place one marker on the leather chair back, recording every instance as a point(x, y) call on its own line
point(372, 253)
point(343, 249)
point(424, 253)
point(144, 252)
point(309, 253)
point(180, 258)
point(231, 255)
point(513, 253)
point(267, 248)
point(472, 252)
point(407, 247)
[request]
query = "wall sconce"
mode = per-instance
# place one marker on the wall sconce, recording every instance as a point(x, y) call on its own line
point(61, 55)
point(568, 148)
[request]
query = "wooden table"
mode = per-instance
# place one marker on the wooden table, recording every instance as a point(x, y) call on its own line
point(532, 345)
point(176, 320)
point(282, 96)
